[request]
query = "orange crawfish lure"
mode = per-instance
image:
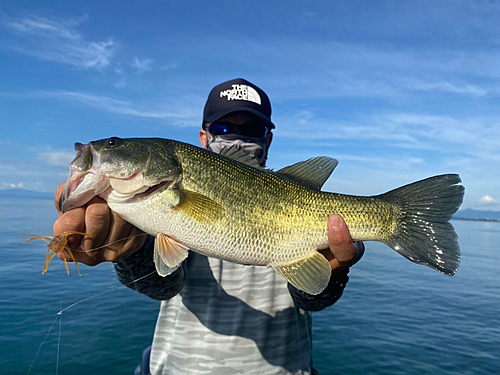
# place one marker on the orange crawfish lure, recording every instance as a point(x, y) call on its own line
point(56, 244)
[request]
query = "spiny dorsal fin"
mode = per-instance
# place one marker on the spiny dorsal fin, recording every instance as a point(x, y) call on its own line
point(168, 254)
point(310, 274)
point(312, 172)
point(239, 155)
point(199, 207)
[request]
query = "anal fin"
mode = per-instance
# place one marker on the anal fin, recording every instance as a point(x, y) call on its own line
point(168, 254)
point(310, 274)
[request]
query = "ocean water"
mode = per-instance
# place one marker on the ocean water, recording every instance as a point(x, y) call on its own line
point(395, 317)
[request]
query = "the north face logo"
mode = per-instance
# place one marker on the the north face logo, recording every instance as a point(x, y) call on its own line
point(241, 92)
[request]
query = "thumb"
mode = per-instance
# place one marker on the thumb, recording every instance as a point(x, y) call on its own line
point(57, 196)
point(339, 239)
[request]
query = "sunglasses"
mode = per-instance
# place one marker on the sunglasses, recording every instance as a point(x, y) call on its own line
point(254, 130)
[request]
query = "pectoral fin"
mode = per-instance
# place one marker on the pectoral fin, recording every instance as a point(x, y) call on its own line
point(199, 207)
point(168, 254)
point(310, 274)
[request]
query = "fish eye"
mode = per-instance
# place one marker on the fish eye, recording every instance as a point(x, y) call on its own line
point(112, 142)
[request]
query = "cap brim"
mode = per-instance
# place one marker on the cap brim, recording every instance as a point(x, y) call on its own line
point(218, 115)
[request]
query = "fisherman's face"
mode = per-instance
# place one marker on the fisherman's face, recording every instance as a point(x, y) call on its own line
point(245, 124)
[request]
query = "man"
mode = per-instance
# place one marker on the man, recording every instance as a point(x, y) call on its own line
point(218, 317)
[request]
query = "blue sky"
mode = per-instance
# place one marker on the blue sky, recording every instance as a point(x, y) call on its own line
point(396, 91)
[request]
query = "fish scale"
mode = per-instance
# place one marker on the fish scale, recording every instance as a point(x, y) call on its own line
point(193, 199)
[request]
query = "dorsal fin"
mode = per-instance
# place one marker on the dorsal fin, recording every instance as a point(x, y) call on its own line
point(312, 172)
point(239, 155)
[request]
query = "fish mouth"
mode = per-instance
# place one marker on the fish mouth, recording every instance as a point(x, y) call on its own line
point(92, 174)
point(81, 188)
point(74, 182)
point(69, 188)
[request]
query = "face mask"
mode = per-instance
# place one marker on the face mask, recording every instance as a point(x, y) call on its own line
point(255, 147)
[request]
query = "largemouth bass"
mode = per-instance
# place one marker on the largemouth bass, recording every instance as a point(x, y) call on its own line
point(218, 205)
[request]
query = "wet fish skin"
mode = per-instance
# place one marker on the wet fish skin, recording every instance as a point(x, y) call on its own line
point(193, 199)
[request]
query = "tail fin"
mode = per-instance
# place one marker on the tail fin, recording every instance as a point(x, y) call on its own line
point(424, 234)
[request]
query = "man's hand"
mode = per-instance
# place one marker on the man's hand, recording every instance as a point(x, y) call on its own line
point(112, 237)
point(342, 252)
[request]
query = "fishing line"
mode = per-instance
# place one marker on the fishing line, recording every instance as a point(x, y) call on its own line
point(60, 314)
point(59, 340)
point(106, 291)
point(111, 243)
point(43, 342)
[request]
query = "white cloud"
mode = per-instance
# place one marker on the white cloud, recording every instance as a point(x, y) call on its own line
point(13, 186)
point(57, 41)
point(446, 86)
point(169, 66)
point(487, 200)
point(358, 70)
point(477, 136)
point(57, 158)
point(121, 83)
point(144, 65)
point(180, 112)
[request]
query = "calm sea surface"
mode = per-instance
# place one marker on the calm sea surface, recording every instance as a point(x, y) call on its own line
point(394, 318)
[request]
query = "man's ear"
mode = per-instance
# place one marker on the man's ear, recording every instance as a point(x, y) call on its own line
point(203, 137)
point(269, 139)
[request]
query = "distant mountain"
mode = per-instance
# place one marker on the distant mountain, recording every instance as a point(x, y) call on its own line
point(470, 214)
point(25, 194)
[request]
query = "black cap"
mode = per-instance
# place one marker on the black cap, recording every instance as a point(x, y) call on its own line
point(234, 96)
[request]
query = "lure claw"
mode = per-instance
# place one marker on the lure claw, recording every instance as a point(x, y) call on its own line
point(56, 244)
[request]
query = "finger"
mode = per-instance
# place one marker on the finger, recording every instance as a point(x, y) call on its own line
point(123, 238)
point(73, 220)
point(57, 196)
point(342, 250)
point(120, 229)
point(97, 226)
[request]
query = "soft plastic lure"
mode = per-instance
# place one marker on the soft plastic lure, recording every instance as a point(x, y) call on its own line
point(56, 244)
